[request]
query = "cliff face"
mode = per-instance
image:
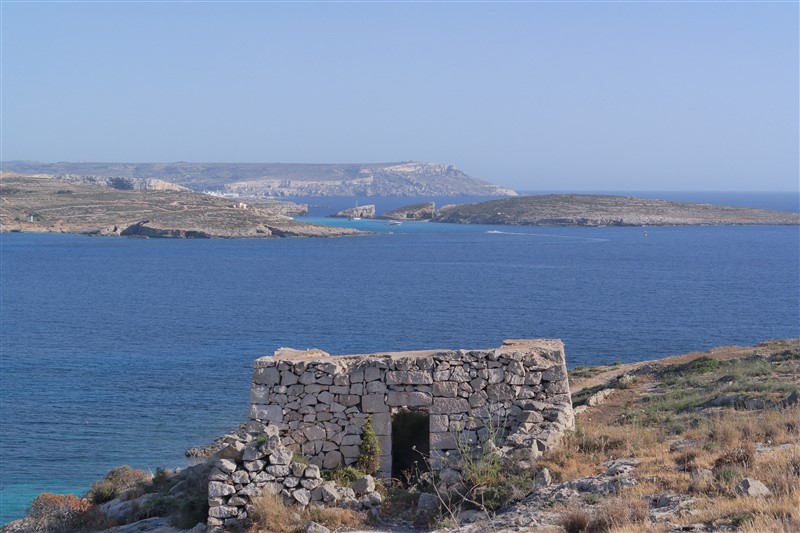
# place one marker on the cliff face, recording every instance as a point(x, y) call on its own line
point(423, 211)
point(44, 204)
point(364, 211)
point(598, 210)
point(288, 179)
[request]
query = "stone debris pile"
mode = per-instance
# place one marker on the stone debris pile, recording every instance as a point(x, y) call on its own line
point(258, 463)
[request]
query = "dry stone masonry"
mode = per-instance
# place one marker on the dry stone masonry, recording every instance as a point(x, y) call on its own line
point(309, 404)
point(518, 392)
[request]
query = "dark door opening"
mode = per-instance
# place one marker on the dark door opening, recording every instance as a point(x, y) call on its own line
point(410, 445)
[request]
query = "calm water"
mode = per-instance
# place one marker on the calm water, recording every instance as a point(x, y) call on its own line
point(119, 351)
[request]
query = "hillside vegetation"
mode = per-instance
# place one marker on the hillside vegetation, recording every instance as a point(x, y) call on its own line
point(601, 210)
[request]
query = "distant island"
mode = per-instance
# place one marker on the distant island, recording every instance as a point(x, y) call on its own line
point(407, 178)
point(135, 208)
point(602, 210)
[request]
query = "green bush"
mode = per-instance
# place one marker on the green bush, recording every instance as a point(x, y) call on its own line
point(369, 457)
point(343, 476)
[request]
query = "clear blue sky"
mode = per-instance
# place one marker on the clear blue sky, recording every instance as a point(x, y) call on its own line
point(598, 96)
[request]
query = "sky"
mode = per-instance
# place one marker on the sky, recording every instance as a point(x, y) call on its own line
point(569, 96)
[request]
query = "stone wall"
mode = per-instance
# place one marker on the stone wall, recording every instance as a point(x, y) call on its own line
point(517, 395)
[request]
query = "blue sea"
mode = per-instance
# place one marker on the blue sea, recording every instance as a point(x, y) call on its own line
point(125, 351)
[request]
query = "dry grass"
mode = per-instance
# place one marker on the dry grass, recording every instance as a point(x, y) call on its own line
point(272, 515)
point(714, 448)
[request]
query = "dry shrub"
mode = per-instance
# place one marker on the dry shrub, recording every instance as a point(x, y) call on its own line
point(272, 515)
point(773, 514)
point(619, 512)
point(686, 459)
point(575, 520)
point(118, 482)
point(780, 471)
point(63, 513)
point(723, 432)
point(743, 456)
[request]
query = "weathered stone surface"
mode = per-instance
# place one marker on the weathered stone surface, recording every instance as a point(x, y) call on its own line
point(318, 405)
point(223, 511)
point(408, 399)
point(752, 487)
point(449, 405)
point(364, 485)
point(281, 456)
point(332, 459)
point(217, 489)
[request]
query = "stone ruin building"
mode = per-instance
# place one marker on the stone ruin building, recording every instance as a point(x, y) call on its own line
point(433, 403)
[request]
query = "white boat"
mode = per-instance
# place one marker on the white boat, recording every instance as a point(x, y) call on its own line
point(393, 223)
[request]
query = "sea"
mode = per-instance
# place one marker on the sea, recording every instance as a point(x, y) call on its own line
point(129, 351)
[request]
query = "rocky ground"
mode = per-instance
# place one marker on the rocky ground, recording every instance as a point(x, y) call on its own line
point(599, 210)
point(48, 204)
point(423, 211)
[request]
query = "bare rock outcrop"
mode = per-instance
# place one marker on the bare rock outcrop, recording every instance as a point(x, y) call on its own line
point(363, 211)
point(423, 211)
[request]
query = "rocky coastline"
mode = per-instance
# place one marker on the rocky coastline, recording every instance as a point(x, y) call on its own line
point(604, 210)
point(48, 204)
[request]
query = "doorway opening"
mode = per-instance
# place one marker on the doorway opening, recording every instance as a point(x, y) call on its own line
point(410, 437)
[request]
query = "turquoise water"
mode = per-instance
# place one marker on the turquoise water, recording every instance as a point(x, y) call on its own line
point(127, 351)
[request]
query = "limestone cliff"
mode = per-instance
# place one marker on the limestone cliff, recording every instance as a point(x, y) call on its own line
point(423, 211)
point(364, 211)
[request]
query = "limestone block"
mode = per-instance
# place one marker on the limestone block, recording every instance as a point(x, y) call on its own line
point(371, 373)
point(217, 475)
point(241, 477)
point(349, 400)
point(278, 470)
point(447, 389)
point(226, 465)
point(281, 456)
point(533, 378)
point(288, 378)
point(499, 391)
point(329, 492)
point(336, 407)
point(312, 389)
point(496, 375)
point(308, 377)
point(350, 440)
point(364, 485)
point(268, 413)
point(339, 389)
point(262, 477)
point(443, 441)
point(411, 377)
point(314, 433)
point(259, 394)
point(441, 375)
point(223, 511)
point(382, 423)
point(350, 452)
point(297, 469)
point(459, 375)
point(310, 484)
point(449, 405)
point(438, 423)
point(291, 482)
point(325, 397)
point(555, 373)
point(408, 399)
point(312, 472)
point(217, 489)
point(303, 496)
point(254, 466)
point(266, 376)
point(376, 386)
point(332, 459)
point(374, 403)
point(556, 387)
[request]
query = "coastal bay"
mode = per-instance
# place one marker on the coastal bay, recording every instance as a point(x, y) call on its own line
point(113, 344)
